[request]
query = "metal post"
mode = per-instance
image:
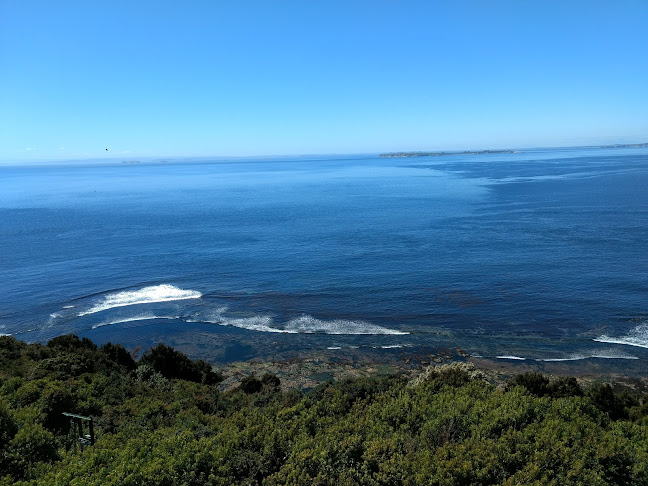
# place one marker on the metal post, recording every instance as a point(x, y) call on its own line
point(92, 439)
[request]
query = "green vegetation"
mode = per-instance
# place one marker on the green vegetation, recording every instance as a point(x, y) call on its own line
point(163, 421)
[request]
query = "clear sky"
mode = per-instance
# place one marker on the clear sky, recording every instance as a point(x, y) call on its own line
point(191, 78)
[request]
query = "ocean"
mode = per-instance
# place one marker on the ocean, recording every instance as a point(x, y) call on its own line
point(540, 255)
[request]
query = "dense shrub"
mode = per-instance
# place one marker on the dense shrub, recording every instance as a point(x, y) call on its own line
point(164, 423)
point(118, 354)
point(534, 382)
point(173, 364)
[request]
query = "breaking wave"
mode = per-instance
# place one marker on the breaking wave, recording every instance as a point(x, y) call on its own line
point(146, 295)
point(636, 337)
point(300, 325)
point(254, 323)
point(144, 317)
point(310, 325)
point(578, 357)
point(575, 357)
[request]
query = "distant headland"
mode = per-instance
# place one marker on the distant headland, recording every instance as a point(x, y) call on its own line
point(437, 154)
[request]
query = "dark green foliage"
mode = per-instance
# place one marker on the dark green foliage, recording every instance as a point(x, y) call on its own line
point(450, 427)
point(604, 398)
point(565, 387)
point(251, 384)
point(267, 384)
point(270, 382)
point(56, 399)
point(173, 364)
point(119, 355)
point(541, 386)
point(534, 382)
point(10, 348)
point(31, 444)
point(71, 342)
point(639, 411)
point(8, 429)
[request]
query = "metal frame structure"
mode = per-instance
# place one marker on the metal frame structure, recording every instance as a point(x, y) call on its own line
point(76, 422)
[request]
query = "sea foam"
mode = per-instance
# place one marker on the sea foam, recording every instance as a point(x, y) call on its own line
point(636, 337)
point(611, 354)
point(146, 295)
point(301, 325)
point(310, 325)
point(144, 317)
point(254, 323)
point(578, 357)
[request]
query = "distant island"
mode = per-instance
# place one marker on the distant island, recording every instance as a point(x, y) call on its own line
point(625, 145)
point(437, 154)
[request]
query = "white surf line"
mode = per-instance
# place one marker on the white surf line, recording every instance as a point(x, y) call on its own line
point(131, 319)
point(146, 295)
point(629, 341)
point(307, 324)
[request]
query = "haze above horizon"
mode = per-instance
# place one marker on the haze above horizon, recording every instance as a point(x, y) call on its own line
point(166, 79)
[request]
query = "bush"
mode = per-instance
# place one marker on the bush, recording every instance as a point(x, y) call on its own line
point(71, 342)
point(565, 387)
point(534, 382)
point(453, 374)
point(606, 401)
point(119, 355)
point(270, 382)
point(250, 384)
point(174, 364)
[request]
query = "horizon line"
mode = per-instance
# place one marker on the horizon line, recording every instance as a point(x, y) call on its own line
point(127, 157)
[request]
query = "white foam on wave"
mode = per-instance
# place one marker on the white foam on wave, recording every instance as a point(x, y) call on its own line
point(334, 347)
point(309, 325)
point(254, 323)
point(23, 332)
point(578, 357)
point(144, 317)
point(68, 306)
point(611, 354)
point(302, 325)
point(146, 295)
point(4, 334)
point(636, 337)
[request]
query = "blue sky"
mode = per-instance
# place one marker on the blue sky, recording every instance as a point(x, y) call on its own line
point(192, 78)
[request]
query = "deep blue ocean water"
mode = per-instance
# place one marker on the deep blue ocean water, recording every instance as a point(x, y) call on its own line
point(540, 255)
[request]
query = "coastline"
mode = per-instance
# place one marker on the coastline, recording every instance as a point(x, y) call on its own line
point(307, 372)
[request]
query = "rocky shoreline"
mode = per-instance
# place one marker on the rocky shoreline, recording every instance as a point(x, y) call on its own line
point(305, 373)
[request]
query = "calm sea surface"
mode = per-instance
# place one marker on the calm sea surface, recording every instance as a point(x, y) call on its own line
point(540, 255)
